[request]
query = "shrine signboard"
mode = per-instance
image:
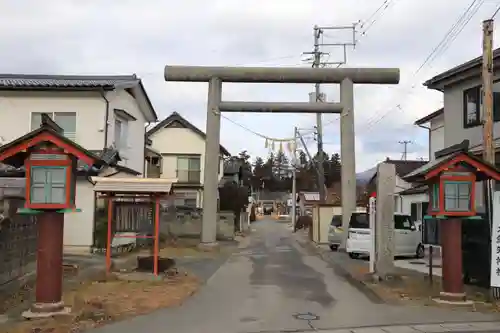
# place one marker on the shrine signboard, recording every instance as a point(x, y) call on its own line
point(495, 242)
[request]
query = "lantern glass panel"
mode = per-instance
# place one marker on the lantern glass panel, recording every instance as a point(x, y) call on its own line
point(457, 196)
point(48, 185)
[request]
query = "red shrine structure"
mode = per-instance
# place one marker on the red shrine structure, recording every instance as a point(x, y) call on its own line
point(50, 160)
point(451, 179)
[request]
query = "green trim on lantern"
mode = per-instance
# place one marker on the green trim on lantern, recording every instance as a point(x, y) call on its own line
point(28, 211)
point(70, 210)
point(439, 217)
point(475, 217)
point(443, 217)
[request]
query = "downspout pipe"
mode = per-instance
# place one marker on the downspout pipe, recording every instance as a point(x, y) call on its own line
point(106, 118)
point(145, 143)
point(429, 138)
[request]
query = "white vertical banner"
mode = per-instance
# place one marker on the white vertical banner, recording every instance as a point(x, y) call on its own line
point(372, 204)
point(495, 241)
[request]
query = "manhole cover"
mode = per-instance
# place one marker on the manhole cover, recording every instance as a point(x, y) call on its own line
point(306, 316)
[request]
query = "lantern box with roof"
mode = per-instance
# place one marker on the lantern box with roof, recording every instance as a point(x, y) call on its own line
point(50, 179)
point(451, 178)
point(50, 161)
point(451, 193)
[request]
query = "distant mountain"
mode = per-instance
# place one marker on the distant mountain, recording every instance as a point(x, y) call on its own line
point(364, 177)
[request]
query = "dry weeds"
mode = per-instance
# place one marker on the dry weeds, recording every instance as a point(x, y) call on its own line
point(107, 299)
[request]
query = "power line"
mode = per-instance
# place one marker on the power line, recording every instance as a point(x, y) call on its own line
point(496, 12)
point(260, 135)
point(442, 46)
point(381, 9)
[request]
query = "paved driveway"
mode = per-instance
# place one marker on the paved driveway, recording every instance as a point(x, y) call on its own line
point(275, 285)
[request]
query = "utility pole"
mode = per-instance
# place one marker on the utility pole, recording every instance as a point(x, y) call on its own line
point(319, 122)
point(487, 74)
point(488, 145)
point(405, 143)
point(318, 97)
point(294, 178)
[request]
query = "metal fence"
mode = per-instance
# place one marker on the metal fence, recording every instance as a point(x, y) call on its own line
point(18, 241)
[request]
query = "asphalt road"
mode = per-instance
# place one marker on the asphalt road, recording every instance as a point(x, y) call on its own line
point(275, 285)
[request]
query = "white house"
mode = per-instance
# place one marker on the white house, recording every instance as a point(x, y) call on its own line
point(461, 116)
point(403, 167)
point(94, 111)
point(415, 200)
point(182, 149)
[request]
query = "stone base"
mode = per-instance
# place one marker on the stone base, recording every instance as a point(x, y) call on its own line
point(209, 247)
point(452, 298)
point(45, 310)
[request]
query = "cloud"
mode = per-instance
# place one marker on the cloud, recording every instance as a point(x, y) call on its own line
point(122, 37)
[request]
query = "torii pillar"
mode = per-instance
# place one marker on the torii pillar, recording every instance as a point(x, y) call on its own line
point(215, 76)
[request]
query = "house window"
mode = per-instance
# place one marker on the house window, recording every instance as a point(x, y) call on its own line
point(473, 110)
point(48, 185)
point(187, 199)
point(190, 203)
point(66, 120)
point(121, 134)
point(188, 169)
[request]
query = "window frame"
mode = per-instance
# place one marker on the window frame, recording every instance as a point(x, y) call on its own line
point(478, 91)
point(52, 115)
point(190, 200)
point(401, 221)
point(122, 143)
point(189, 170)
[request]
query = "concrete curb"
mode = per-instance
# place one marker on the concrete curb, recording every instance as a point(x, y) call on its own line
point(484, 326)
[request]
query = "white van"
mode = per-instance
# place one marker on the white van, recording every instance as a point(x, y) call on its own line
point(408, 239)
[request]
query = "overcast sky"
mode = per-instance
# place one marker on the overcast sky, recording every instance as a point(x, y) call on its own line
point(132, 36)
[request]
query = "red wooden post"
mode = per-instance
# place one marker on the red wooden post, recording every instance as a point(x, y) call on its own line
point(49, 263)
point(451, 243)
point(157, 235)
point(109, 234)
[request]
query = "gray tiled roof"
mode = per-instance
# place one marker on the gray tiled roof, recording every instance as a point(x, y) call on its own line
point(23, 81)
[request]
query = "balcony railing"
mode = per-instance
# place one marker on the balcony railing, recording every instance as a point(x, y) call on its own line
point(189, 176)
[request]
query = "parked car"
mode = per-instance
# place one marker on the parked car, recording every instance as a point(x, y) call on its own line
point(407, 237)
point(268, 209)
point(335, 232)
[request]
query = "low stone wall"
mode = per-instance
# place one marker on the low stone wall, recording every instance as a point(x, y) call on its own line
point(188, 224)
